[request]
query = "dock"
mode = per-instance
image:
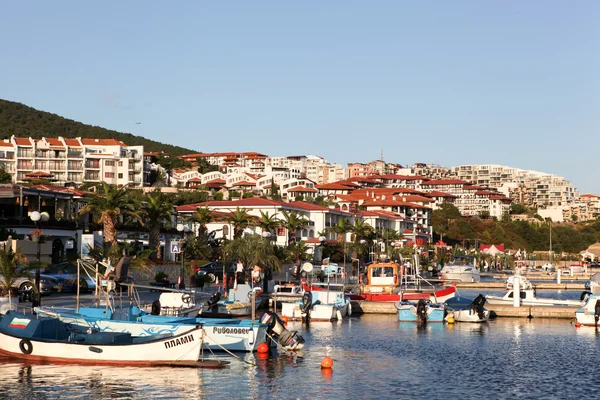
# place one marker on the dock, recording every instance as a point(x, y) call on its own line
point(499, 311)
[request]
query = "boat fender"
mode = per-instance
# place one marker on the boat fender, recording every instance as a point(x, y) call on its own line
point(349, 309)
point(95, 349)
point(26, 346)
point(251, 337)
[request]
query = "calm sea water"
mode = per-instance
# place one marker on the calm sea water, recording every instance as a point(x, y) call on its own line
point(375, 357)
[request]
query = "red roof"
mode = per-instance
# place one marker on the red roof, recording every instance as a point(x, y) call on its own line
point(334, 186)
point(504, 198)
point(437, 193)
point(72, 142)
point(307, 206)
point(7, 144)
point(244, 183)
point(302, 189)
point(102, 142)
point(54, 142)
point(250, 202)
point(23, 142)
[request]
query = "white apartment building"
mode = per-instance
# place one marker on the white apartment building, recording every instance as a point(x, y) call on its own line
point(65, 160)
point(528, 187)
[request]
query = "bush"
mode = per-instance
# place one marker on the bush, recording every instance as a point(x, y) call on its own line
point(161, 276)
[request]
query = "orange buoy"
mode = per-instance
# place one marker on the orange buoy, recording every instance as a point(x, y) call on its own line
point(284, 319)
point(263, 348)
point(577, 325)
point(326, 362)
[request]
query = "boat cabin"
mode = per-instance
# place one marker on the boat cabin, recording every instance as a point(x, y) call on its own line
point(381, 278)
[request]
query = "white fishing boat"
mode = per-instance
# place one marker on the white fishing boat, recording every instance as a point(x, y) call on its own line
point(461, 269)
point(589, 313)
point(34, 338)
point(238, 303)
point(465, 310)
point(528, 296)
point(324, 302)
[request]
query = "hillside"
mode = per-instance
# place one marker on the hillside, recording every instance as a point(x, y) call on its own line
point(24, 121)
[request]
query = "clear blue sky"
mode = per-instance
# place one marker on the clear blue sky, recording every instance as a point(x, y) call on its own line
point(446, 82)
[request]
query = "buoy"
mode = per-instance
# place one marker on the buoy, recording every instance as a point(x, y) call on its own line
point(450, 319)
point(263, 348)
point(285, 319)
point(326, 362)
point(577, 324)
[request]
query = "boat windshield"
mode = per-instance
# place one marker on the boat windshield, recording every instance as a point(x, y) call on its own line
point(382, 272)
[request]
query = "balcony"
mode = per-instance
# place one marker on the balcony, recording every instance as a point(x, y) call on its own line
point(92, 165)
point(7, 155)
point(74, 155)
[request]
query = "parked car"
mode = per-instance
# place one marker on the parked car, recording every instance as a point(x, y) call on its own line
point(214, 270)
point(48, 284)
point(66, 274)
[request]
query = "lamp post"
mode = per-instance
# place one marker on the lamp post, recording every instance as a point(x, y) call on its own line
point(36, 217)
point(183, 229)
point(267, 235)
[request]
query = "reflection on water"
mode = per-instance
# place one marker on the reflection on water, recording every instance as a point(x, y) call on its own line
point(374, 356)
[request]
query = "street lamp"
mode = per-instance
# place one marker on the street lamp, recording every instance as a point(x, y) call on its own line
point(36, 217)
point(183, 229)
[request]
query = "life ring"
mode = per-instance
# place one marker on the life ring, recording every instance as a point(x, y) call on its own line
point(26, 346)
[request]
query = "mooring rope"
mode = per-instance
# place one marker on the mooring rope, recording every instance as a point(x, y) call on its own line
point(227, 351)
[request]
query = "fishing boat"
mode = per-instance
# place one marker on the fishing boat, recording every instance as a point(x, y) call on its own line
point(465, 310)
point(29, 337)
point(461, 269)
point(326, 302)
point(388, 281)
point(421, 311)
point(239, 303)
point(528, 296)
point(589, 313)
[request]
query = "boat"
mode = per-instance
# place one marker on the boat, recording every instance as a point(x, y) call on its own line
point(589, 313)
point(528, 296)
point(238, 303)
point(465, 310)
point(34, 338)
point(286, 292)
point(390, 282)
point(421, 311)
point(324, 302)
point(461, 269)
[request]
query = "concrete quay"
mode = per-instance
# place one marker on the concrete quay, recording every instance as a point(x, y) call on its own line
point(499, 311)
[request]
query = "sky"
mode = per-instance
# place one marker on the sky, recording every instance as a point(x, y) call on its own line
point(447, 82)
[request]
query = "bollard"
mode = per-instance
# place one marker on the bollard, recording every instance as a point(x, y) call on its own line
point(516, 291)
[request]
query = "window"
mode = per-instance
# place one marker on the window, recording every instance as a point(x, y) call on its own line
point(109, 174)
point(120, 176)
point(109, 163)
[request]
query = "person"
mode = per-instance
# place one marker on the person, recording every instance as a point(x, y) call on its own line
point(256, 273)
point(239, 272)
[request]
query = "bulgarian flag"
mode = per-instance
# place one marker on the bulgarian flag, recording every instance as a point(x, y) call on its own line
point(19, 323)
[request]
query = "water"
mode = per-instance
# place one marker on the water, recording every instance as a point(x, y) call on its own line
point(375, 357)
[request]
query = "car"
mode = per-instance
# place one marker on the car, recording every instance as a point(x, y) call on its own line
point(66, 274)
point(214, 270)
point(48, 284)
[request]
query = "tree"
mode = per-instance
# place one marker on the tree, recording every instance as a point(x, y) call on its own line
point(218, 196)
point(268, 223)
point(293, 222)
point(108, 205)
point(252, 250)
point(360, 229)
point(5, 176)
point(298, 252)
point(239, 220)
point(157, 211)
point(341, 229)
point(203, 216)
point(516, 208)
point(10, 270)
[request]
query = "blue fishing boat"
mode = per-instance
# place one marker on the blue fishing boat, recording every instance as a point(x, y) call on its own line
point(421, 312)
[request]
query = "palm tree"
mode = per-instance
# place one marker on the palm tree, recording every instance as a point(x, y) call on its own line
point(268, 223)
point(341, 229)
point(157, 211)
point(108, 205)
point(298, 252)
point(10, 271)
point(293, 222)
point(202, 217)
point(240, 220)
point(252, 250)
point(360, 229)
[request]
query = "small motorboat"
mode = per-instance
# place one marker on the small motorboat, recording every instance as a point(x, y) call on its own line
point(461, 269)
point(237, 304)
point(29, 337)
point(465, 310)
point(326, 302)
point(589, 313)
point(528, 296)
point(421, 312)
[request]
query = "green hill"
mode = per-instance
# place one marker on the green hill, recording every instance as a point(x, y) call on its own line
point(24, 121)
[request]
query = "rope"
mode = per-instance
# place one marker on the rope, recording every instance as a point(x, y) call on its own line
point(229, 352)
point(192, 348)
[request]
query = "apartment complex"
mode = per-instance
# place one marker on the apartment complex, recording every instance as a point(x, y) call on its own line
point(532, 188)
point(65, 161)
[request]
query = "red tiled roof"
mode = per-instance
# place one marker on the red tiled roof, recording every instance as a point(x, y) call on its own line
point(72, 142)
point(307, 206)
point(244, 183)
point(249, 202)
point(437, 193)
point(54, 142)
point(23, 142)
point(7, 144)
point(102, 142)
point(195, 180)
point(503, 198)
point(347, 197)
point(302, 189)
point(334, 186)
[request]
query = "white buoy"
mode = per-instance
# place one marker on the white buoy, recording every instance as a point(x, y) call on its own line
point(516, 291)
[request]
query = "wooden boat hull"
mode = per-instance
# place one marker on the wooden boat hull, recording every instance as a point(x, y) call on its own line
point(122, 351)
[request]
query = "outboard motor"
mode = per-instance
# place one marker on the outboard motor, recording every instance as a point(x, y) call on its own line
point(288, 339)
point(155, 307)
point(422, 311)
point(477, 305)
point(306, 302)
point(597, 312)
point(214, 299)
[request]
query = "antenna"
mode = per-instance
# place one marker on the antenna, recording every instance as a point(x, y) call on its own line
point(381, 154)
